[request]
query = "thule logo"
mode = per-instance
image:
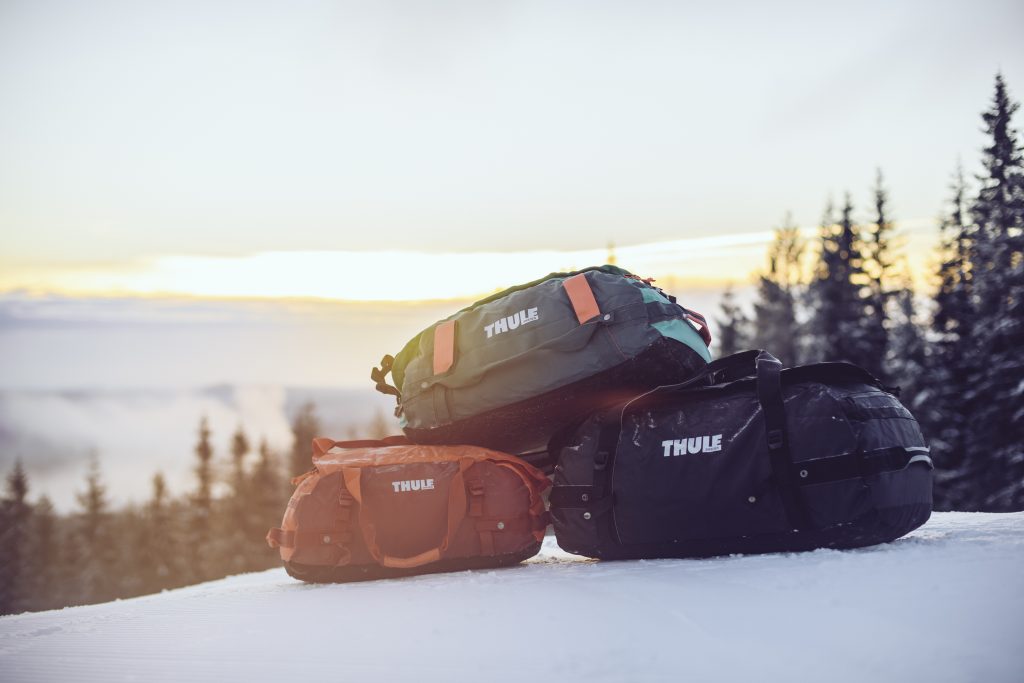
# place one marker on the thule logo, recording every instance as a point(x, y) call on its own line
point(511, 322)
point(413, 485)
point(696, 444)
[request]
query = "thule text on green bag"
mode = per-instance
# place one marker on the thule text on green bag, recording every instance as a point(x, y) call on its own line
point(511, 322)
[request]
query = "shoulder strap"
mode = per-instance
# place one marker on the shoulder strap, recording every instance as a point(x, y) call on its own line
point(604, 461)
point(773, 407)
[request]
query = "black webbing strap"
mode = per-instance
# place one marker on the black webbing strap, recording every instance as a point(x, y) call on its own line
point(576, 496)
point(607, 440)
point(579, 498)
point(736, 366)
point(604, 460)
point(860, 464)
point(769, 395)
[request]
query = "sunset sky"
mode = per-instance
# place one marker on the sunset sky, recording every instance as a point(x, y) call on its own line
point(225, 209)
point(405, 151)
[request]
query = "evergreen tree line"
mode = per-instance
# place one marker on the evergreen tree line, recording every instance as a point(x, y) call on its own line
point(97, 554)
point(959, 363)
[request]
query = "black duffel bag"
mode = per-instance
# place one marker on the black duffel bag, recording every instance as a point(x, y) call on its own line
point(744, 458)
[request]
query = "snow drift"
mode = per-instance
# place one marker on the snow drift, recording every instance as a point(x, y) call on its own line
point(945, 603)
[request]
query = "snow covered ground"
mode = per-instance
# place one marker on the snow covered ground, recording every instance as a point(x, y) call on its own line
point(943, 604)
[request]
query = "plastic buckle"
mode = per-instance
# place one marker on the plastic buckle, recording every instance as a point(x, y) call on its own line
point(476, 497)
point(600, 460)
point(775, 439)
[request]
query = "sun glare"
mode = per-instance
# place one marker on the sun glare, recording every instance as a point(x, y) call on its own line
point(709, 261)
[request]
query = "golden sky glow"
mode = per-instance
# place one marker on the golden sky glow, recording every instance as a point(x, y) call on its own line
point(153, 136)
point(711, 261)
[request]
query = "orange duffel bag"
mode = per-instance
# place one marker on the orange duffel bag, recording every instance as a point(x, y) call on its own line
point(377, 509)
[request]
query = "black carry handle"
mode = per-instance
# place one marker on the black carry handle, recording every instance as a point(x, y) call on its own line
point(728, 369)
point(380, 374)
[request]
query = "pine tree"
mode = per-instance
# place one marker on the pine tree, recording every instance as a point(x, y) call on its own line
point(240, 504)
point(732, 335)
point(997, 288)
point(822, 327)
point(268, 496)
point(944, 399)
point(305, 428)
point(161, 565)
point(878, 267)
point(131, 533)
point(97, 539)
point(239, 449)
point(775, 310)
point(43, 557)
point(905, 362)
point(202, 559)
point(953, 300)
point(72, 557)
point(839, 315)
point(15, 515)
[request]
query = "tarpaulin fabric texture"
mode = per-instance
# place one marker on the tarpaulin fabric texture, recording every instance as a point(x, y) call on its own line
point(377, 509)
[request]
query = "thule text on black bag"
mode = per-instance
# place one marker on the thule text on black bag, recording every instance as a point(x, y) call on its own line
point(747, 457)
point(509, 371)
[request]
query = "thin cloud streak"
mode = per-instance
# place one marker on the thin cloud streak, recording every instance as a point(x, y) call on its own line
point(708, 261)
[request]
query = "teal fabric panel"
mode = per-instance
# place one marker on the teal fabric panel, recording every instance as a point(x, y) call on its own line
point(653, 296)
point(683, 332)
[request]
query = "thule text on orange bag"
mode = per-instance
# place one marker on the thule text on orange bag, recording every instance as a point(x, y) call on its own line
point(376, 509)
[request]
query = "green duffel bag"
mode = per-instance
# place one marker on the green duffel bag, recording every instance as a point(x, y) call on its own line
point(512, 370)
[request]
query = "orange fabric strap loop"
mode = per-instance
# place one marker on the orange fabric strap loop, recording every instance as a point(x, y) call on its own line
point(321, 444)
point(444, 347)
point(537, 483)
point(582, 297)
point(292, 538)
